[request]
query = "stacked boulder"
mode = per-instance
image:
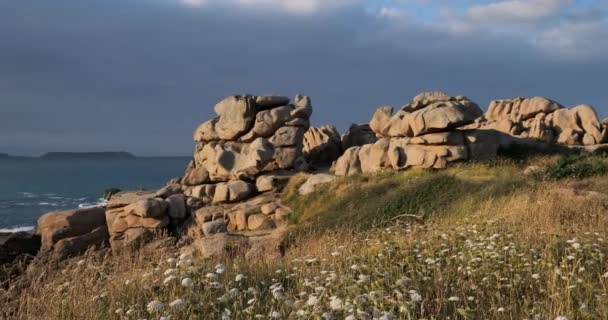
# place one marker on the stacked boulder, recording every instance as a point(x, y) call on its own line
point(544, 119)
point(247, 152)
point(324, 145)
point(422, 134)
point(135, 217)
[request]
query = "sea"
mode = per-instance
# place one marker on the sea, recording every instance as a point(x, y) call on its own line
point(32, 187)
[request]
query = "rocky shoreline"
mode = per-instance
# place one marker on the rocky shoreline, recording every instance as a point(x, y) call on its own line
point(228, 202)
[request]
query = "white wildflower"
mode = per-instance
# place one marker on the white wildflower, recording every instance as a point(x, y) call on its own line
point(187, 282)
point(220, 269)
point(169, 279)
point(336, 304)
point(312, 300)
point(154, 306)
point(415, 296)
point(454, 298)
point(239, 278)
point(171, 272)
point(178, 304)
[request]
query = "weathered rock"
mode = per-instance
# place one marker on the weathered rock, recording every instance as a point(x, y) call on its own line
point(288, 137)
point(77, 245)
point(147, 208)
point(260, 222)
point(431, 96)
point(168, 191)
point(322, 146)
point(380, 120)
point(236, 116)
point(201, 192)
point(240, 219)
point(268, 122)
point(267, 102)
point(268, 208)
point(285, 158)
point(437, 116)
point(374, 157)
point(55, 226)
point(348, 164)
point(206, 131)
point(225, 161)
point(13, 245)
point(271, 182)
point(232, 191)
point(358, 135)
point(587, 117)
point(519, 109)
point(543, 119)
point(209, 213)
point(177, 206)
point(196, 176)
point(313, 182)
point(215, 227)
point(127, 197)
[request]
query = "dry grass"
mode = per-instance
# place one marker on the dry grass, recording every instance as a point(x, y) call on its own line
point(495, 244)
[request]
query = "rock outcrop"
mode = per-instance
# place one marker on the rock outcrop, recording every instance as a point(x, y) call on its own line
point(322, 146)
point(242, 158)
point(422, 134)
point(428, 113)
point(250, 135)
point(543, 119)
point(71, 232)
point(17, 244)
point(358, 135)
point(134, 217)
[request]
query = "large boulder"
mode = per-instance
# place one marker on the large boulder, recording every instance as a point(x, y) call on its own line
point(519, 109)
point(267, 122)
point(426, 116)
point(236, 115)
point(135, 217)
point(430, 151)
point(543, 119)
point(358, 135)
point(232, 191)
point(56, 226)
point(16, 244)
point(322, 145)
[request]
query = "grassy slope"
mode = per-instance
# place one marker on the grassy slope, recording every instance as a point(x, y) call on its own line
point(494, 244)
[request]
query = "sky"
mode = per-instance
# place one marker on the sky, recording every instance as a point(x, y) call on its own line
point(140, 75)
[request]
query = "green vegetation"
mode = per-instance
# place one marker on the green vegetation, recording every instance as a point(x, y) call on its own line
point(476, 241)
point(578, 166)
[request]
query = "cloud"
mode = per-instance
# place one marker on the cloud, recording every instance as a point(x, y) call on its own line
point(515, 10)
point(298, 7)
point(577, 40)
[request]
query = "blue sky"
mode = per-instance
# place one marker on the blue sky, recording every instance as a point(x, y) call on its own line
point(140, 75)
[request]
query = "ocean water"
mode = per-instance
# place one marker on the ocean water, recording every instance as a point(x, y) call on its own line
point(32, 187)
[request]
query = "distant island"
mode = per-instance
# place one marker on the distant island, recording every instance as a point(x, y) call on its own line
point(8, 156)
point(88, 155)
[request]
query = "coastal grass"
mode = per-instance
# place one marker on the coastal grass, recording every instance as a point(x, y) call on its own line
point(475, 241)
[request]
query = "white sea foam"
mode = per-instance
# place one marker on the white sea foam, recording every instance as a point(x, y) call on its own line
point(17, 229)
point(100, 203)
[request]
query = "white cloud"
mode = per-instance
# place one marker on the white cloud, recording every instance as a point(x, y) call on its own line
point(577, 40)
point(515, 10)
point(299, 7)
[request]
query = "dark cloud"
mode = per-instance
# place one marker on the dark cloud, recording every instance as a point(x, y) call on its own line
point(140, 75)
